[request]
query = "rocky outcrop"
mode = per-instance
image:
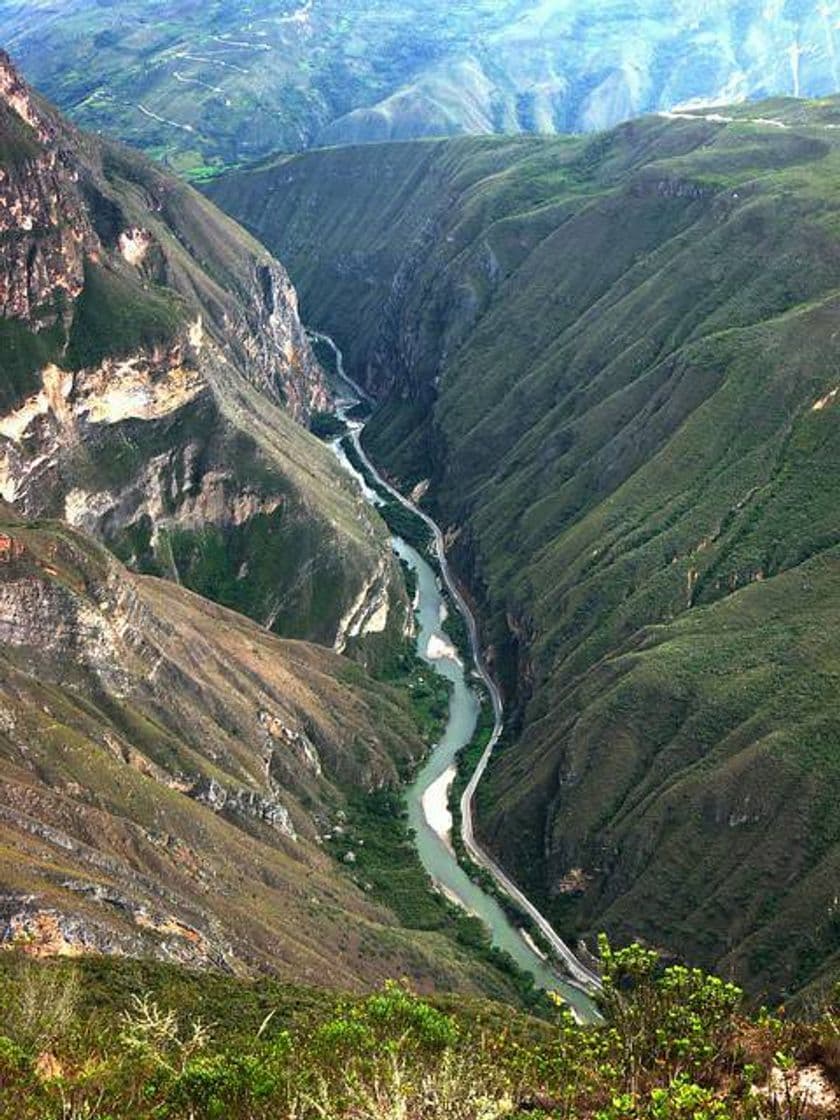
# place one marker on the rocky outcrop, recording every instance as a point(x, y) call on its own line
point(38, 931)
point(160, 379)
point(278, 357)
point(71, 409)
point(38, 268)
point(59, 200)
point(245, 803)
point(368, 614)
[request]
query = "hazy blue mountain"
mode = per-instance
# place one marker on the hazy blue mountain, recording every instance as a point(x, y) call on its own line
point(210, 84)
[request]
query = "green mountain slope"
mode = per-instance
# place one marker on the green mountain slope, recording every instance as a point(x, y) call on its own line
point(208, 86)
point(156, 381)
point(615, 359)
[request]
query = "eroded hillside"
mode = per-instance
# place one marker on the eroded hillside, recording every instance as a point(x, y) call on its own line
point(615, 359)
point(175, 779)
point(156, 381)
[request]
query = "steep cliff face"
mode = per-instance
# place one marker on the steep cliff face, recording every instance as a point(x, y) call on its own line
point(71, 203)
point(169, 773)
point(615, 360)
point(156, 379)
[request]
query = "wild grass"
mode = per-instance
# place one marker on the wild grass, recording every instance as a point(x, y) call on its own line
point(675, 1045)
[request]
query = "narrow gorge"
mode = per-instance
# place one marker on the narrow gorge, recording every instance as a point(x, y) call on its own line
point(472, 687)
point(603, 360)
point(176, 776)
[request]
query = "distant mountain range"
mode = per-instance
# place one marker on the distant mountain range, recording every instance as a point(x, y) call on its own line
point(207, 85)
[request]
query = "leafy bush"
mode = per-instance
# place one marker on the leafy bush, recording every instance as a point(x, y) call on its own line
point(39, 1006)
point(674, 1045)
point(678, 1014)
point(326, 425)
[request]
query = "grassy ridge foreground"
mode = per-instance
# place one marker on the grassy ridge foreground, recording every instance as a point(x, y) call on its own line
point(615, 359)
point(112, 1039)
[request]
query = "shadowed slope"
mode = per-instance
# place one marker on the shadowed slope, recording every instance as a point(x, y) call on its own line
point(616, 361)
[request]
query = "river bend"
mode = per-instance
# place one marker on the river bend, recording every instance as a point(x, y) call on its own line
point(428, 795)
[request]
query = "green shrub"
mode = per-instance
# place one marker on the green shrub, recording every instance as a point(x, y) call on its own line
point(679, 1014)
point(674, 1046)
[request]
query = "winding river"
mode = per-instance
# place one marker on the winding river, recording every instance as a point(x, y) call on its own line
point(427, 797)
